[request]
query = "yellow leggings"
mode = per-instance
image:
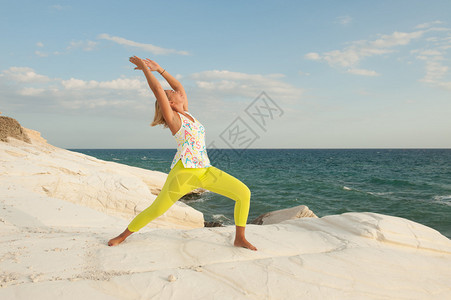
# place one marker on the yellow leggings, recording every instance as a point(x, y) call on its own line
point(183, 180)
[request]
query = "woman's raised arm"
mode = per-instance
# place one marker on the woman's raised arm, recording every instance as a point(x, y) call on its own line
point(156, 88)
point(173, 82)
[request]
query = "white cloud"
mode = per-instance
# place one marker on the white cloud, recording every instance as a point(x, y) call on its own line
point(363, 72)
point(312, 56)
point(445, 85)
point(116, 84)
point(24, 74)
point(430, 52)
point(147, 47)
point(350, 57)
point(212, 90)
point(435, 58)
point(74, 83)
point(85, 45)
point(435, 72)
point(344, 20)
point(41, 54)
point(35, 92)
point(358, 50)
point(219, 85)
point(224, 74)
point(428, 24)
point(396, 39)
point(346, 58)
point(29, 91)
point(224, 83)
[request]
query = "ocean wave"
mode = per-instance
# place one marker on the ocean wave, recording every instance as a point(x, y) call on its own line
point(220, 217)
point(379, 193)
point(346, 188)
point(445, 199)
point(194, 200)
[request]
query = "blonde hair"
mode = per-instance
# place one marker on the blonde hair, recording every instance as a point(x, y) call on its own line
point(158, 119)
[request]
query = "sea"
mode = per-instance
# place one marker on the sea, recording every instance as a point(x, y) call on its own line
point(408, 183)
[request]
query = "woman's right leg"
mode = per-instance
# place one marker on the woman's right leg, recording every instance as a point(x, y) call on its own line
point(180, 181)
point(220, 182)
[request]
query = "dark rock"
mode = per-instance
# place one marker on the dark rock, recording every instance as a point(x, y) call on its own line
point(213, 224)
point(193, 195)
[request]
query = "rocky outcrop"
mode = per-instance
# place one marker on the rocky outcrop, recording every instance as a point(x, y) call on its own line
point(53, 249)
point(278, 216)
point(109, 187)
point(9, 127)
point(54, 244)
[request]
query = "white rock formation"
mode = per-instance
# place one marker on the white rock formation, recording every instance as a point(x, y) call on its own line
point(109, 187)
point(281, 215)
point(54, 249)
point(58, 209)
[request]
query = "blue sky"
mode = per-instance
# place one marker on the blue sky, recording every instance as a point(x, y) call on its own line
point(345, 74)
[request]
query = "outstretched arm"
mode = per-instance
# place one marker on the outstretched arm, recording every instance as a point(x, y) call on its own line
point(156, 88)
point(173, 82)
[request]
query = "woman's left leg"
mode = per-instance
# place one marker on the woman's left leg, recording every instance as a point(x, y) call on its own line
point(179, 182)
point(220, 182)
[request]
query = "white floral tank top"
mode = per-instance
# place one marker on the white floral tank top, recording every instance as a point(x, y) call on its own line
point(191, 147)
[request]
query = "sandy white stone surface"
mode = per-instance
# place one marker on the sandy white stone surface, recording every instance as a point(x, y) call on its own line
point(109, 187)
point(54, 248)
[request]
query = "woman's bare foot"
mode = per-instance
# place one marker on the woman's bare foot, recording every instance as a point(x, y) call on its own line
point(240, 240)
point(116, 241)
point(120, 238)
point(245, 244)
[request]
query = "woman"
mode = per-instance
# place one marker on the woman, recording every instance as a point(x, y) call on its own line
point(190, 168)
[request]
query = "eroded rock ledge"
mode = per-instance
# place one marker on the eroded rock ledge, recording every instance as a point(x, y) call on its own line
point(9, 127)
point(30, 163)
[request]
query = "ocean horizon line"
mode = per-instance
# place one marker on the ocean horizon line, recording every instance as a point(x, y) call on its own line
point(240, 149)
